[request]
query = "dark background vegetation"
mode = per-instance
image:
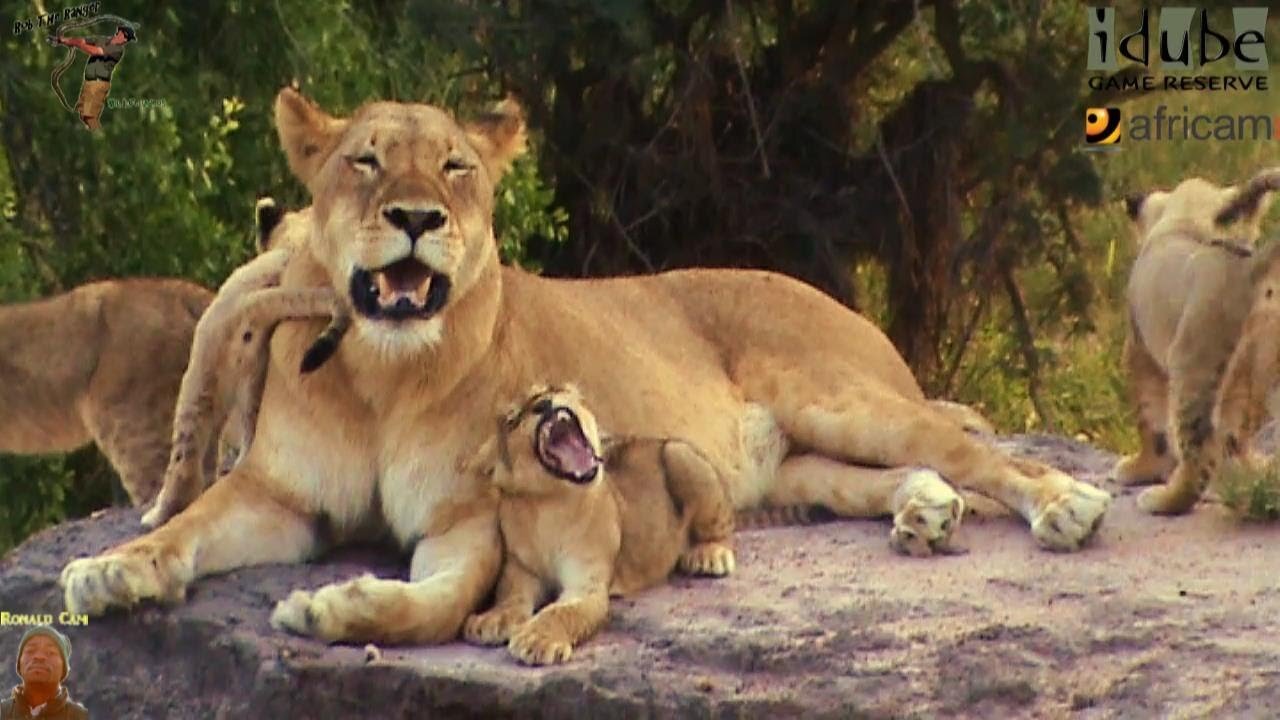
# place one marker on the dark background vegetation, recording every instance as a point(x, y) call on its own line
point(920, 161)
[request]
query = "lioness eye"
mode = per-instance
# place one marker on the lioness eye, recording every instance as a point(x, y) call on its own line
point(456, 165)
point(541, 406)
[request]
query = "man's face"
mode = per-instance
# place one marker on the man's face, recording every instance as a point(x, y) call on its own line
point(40, 661)
point(119, 38)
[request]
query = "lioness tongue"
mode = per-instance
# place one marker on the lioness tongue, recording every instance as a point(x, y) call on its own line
point(404, 279)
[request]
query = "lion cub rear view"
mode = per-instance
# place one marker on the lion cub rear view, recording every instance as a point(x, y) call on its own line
point(223, 383)
point(590, 521)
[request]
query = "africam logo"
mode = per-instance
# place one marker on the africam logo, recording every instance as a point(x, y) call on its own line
point(104, 53)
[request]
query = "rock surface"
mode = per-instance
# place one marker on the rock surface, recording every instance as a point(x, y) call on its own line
point(1156, 618)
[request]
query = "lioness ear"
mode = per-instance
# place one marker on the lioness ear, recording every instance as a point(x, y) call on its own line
point(499, 137)
point(307, 133)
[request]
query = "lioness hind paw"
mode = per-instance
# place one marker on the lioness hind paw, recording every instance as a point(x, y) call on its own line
point(927, 513)
point(712, 559)
point(1071, 518)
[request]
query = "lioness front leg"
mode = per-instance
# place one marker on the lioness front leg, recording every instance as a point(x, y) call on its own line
point(865, 421)
point(581, 609)
point(517, 595)
point(1149, 390)
point(926, 510)
point(702, 493)
point(239, 522)
point(448, 577)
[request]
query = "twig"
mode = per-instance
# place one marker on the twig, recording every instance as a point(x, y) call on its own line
point(746, 86)
point(1022, 327)
point(910, 230)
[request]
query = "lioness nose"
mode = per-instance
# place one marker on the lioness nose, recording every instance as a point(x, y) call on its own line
point(414, 221)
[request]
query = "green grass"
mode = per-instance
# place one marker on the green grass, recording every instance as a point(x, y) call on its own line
point(1252, 493)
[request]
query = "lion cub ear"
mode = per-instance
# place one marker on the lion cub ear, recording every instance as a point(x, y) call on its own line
point(307, 133)
point(499, 137)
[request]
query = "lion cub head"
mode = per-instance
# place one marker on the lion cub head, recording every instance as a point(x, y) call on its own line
point(276, 227)
point(402, 206)
point(548, 443)
point(1202, 209)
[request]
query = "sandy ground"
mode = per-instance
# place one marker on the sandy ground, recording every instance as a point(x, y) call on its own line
point(1157, 618)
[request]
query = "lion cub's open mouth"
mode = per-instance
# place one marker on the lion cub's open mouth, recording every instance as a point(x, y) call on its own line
point(563, 448)
point(405, 289)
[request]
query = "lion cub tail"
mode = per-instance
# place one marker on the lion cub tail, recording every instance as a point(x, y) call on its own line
point(1248, 201)
point(326, 344)
point(964, 416)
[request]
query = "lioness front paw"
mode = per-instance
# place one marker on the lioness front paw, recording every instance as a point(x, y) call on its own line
point(495, 626)
point(1070, 518)
point(1142, 469)
point(122, 578)
point(927, 512)
point(533, 644)
point(710, 558)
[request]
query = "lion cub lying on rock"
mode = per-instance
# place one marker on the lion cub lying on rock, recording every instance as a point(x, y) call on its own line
point(590, 521)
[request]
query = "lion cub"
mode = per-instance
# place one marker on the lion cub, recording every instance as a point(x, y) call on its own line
point(1189, 292)
point(591, 522)
point(223, 382)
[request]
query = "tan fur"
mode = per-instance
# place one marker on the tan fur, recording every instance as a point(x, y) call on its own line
point(1248, 396)
point(1188, 295)
point(222, 386)
point(744, 365)
point(102, 364)
point(655, 504)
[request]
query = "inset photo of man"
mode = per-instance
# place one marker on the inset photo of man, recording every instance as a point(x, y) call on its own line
point(44, 656)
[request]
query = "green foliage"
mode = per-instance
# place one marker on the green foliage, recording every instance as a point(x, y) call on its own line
point(1252, 493)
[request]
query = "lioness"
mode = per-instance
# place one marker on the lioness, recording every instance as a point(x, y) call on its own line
point(761, 372)
point(590, 521)
point(1188, 294)
point(222, 386)
point(102, 364)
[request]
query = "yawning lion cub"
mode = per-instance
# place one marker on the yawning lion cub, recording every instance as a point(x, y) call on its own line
point(590, 525)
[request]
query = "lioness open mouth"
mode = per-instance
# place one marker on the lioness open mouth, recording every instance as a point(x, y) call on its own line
point(563, 448)
point(405, 289)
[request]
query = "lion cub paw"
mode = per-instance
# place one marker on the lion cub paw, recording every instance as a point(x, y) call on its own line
point(927, 512)
point(533, 644)
point(1142, 469)
point(495, 626)
point(1166, 500)
point(1071, 517)
point(710, 558)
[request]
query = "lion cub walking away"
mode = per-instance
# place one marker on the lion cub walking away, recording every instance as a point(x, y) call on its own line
point(589, 525)
point(102, 364)
point(1189, 293)
point(223, 383)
